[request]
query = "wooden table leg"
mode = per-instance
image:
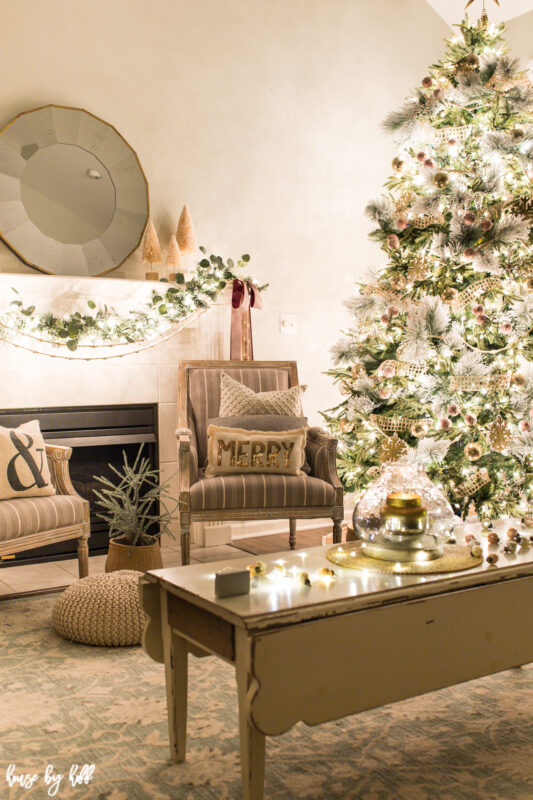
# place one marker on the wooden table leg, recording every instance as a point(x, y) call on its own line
point(252, 741)
point(176, 678)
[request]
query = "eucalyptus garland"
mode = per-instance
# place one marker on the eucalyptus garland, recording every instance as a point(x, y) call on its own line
point(104, 326)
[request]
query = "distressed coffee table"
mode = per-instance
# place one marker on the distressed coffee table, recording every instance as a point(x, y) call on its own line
point(316, 654)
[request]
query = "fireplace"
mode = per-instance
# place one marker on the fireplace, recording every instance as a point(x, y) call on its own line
point(98, 435)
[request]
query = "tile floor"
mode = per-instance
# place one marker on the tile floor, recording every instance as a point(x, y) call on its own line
point(31, 577)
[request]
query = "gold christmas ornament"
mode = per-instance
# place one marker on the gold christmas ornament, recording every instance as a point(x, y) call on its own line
point(469, 62)
point(441, 180)
point(374, 472)
point(449, 296)
point(418, 270)
point(518, 380)
point(345, 426)
point(473, 451)
point(345, 387)
point(419, 429)
point(529, 284)
point(397, 164)
point(358, 371)
point(499, 434)
point(185, 233)
point(173, 260)
point(398, 282)
point(393, 449)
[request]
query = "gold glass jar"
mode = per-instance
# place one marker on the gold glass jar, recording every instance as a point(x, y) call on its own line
point(403, 515)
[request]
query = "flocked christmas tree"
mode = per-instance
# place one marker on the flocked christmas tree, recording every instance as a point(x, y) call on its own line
point(437, 367)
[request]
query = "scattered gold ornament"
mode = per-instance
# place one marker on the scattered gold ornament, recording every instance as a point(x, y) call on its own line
point(418, 270)
point(449, 296)
point(517, 134)
point(419, 429)
point(346, 426)
point(393, 449)
point(374, 472)
point(441, 180)
point(499, 434)
point(358, 371)
point(397, 164)
point(529, 284)
point(345, 387)
point(473, 451)
point(518, 380)
point(398, 282)
point(469, 62)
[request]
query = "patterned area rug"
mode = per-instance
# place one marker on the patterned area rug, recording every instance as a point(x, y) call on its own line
point(65, 703)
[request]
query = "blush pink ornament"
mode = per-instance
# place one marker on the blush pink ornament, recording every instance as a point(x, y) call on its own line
point(480, 319)
point(469, 218)
point(393, 241)
point(429, 163)
point(394, 311)
point(524, 425)
point(402, 223)
point(421, 156)
point(471, 420)
point(506, 328)
point(385, 393)
point(445, 424)
point(453, 409)
point(469, 252)
point(477, 309)
point(385, 319)
point(389, 371)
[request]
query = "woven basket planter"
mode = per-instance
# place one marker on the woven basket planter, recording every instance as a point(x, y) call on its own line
point(140, 557)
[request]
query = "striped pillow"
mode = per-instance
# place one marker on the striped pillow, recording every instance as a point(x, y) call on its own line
point(236, 399)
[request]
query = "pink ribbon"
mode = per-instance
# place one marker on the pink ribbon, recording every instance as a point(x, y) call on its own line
point(244, 296)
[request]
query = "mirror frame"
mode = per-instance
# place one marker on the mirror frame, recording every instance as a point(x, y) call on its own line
point(12, 166)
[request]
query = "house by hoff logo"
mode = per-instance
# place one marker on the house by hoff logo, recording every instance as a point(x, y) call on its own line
point(23, 452)
point(77, 776)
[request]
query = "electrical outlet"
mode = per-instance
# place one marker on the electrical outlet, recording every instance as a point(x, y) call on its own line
point(288, 324)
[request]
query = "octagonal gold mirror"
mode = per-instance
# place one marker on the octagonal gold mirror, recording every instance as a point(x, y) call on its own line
point(73, 195)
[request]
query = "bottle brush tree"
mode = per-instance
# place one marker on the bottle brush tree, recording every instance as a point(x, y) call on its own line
point(437, 365)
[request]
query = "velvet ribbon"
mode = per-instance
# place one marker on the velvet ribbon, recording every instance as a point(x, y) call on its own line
point(244, 297)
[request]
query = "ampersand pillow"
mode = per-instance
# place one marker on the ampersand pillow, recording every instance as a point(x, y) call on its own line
point(23, 465)
point(235, 450)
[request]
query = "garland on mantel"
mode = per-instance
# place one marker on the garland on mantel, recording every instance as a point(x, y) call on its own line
point(169, 310)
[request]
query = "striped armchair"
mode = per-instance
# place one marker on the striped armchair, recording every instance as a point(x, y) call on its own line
point(247, 497)
point(30, 522)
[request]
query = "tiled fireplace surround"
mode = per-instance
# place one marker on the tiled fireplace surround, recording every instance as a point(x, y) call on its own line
point(29, 380)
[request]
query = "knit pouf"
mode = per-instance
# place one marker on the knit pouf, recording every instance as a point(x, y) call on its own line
point(101, 610)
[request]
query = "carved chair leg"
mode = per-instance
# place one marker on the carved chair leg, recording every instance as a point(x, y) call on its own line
point(292, 533)
point(83, 557)
point(337, 530)
point(185, 544)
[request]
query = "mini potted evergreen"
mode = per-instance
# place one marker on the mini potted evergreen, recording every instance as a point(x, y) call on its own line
point(130, 508)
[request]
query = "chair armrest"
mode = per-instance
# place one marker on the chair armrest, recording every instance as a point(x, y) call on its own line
point(321, 450)
point(185, 466)
point(58, 458)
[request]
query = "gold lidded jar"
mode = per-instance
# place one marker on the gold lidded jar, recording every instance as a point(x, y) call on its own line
point(403, 515)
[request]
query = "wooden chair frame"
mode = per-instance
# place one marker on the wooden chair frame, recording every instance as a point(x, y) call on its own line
point(184, 434)
point(58, 458)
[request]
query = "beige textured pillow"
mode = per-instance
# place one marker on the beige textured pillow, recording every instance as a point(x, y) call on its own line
point(236, 398)
point(235, 450)
point(23, 465)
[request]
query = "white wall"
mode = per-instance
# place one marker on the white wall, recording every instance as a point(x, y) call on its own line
point(263, 115)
